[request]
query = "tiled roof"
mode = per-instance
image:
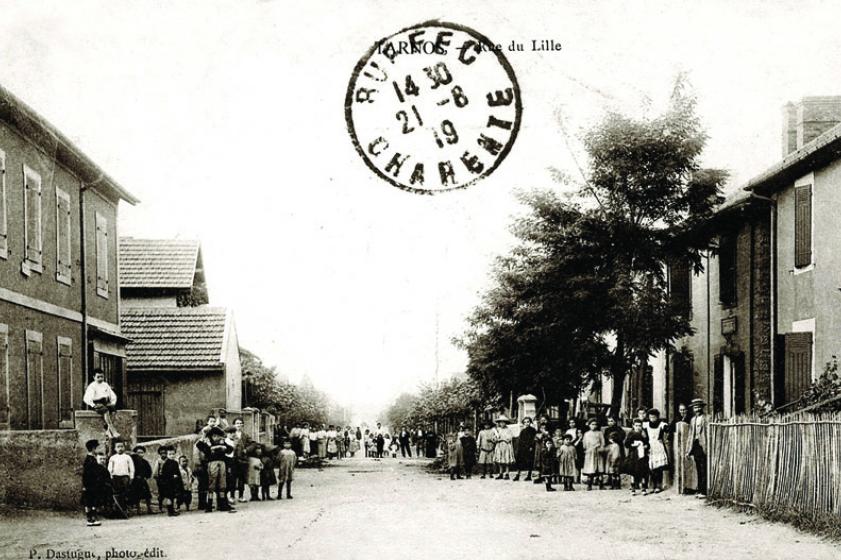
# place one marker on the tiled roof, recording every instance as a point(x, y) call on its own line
point(173, 338)
point(157, 263)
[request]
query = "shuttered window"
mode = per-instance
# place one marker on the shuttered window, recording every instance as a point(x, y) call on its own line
point(32, 220)
point(4, 377)
point(63, 237)
point(35, 380)
point(718, 384)
point(798, 364)
point(4, 227)
point(101, 255)
point(727, 271)
point(65, 379)
point(803, 226)
point(680, 286)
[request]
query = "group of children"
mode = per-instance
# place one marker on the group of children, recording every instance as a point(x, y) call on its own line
point(226, 460)
point(595, 456)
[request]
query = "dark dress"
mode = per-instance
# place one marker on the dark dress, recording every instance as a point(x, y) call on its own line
point(547, 457)
point(525, 448)
point(635, 465)
point(170, 484)
point(468, 446)
point(96, 483)
point(139, 488)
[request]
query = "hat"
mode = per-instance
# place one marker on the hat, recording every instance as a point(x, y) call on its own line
point(502, 418)
point(697, 402)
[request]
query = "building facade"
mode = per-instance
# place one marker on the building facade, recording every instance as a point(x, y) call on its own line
point(59, 286)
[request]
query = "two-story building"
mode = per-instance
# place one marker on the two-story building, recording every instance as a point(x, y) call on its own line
point(59, 291)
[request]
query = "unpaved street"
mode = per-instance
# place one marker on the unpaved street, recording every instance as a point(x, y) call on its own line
point(363, 508)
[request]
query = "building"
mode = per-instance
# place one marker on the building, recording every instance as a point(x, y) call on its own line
point(59, 282)
point(183, 358)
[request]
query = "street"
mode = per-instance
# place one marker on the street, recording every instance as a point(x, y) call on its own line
point(362, 508)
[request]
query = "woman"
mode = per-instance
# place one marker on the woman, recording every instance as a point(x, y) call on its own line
point(321, 443)
point(658, 460)
point(332, 446)
point(503, 448)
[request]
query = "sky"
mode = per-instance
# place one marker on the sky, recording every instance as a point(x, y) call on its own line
point(226, 119)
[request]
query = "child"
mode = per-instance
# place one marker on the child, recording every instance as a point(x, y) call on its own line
point(156, 474)
point(503, 449)
point(468, 451)
point(267, 476)
point(255, 465)
point(170, 483)
point(231, 464)
point(215, 450)
point(486, 449)
point(187, 480)
point(286, 467)
point(394, 448)
point(454, 456)
point(121, 469)
point(547, 467)
point(539, 443)
point(558, 440)
point(636, 443)
point(100, 397)
point(567, 456)
point(593, 443)
point(658, 460)
point(140, 482)
point(95, 479)
point(613, 460)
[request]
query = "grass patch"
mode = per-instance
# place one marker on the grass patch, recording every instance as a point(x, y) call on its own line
point(824, 525)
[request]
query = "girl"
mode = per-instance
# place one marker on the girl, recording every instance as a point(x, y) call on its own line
point(593, 443)
point(656, 431)
point(486, 449)
point(637, 445)
point(558, 440)
point(613, 459)
point(547, 465)
point(255, 465)
point(566, 462)
point(503, 449)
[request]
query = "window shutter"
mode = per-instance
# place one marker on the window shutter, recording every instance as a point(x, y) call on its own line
point(65, 379)
point(101, 255)
point(4, 376)
point(4, 233)
point(63, 237)
point(680, 288)
point(718, 384)
point(35, 379)
point(727, 270)
point(32, 207)
point(803, 226)
point(798, 364)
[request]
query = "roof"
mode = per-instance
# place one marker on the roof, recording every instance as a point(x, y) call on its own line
point(157, 263)
point(820, 151)
point(175, 338)
point(36, 128)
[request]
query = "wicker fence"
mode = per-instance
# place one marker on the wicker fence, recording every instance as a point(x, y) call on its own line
point(788, 463)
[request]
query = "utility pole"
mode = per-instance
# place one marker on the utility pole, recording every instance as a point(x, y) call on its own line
point(437, 361)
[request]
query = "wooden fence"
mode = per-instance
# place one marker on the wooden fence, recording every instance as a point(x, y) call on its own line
point(792, 462)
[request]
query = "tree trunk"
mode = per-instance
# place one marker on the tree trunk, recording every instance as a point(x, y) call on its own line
point(618, 372)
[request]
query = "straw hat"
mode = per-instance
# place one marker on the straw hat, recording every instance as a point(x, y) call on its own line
point(502, 418)
point(697, 402)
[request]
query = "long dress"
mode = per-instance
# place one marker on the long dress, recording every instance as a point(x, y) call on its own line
point(657, 456)
point(321, 445)
point(593, 443)
point(566, 461)
point(503, 450)
point(486, 447)
point(525, 448)
point(332, 446)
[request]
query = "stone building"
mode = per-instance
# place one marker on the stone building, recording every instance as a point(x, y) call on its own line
point(183, 358)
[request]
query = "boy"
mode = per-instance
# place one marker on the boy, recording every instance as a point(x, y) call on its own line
point(156, 474)
point(187, 479)
point(286, 467)
point(103, 400)
point(468, 449)
point(121, 469)
point(214, 450)
point(140, 482)
point(95, 479)
point(170, 483)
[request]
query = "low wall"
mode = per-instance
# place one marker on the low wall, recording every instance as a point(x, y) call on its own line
point(41, 468)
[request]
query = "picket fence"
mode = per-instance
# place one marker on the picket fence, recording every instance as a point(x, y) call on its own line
point(791, 463)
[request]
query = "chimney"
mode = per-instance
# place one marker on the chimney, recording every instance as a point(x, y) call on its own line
point(807, 120)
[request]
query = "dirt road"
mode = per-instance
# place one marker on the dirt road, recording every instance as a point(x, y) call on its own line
point(365, 509)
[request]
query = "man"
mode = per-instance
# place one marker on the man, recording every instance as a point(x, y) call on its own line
point(100, 397)
point(378, 434)
point(405, 447)
point(419, 438)
point(525, 449)
point(697, 444)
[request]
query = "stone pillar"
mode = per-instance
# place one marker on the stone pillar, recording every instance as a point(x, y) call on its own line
point(251, 422)
point(526, 406)
point(90, 425)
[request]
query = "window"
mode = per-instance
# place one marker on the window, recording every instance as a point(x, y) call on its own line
point(32, 219)
point(101, 255)
point(680, 286)
point(802, 226)
point(63, 236)
point(4, 233)
point(727, 270)
point(35, 380)
point(4, 377)
point(798, 364)
point(65, 380)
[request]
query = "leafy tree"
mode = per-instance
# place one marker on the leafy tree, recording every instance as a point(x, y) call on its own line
point(397, 414)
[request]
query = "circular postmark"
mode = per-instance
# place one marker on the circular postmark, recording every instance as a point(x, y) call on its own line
point(433, 108)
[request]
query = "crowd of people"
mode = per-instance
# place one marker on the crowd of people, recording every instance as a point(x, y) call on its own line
point(593, 453)
point(334, 442)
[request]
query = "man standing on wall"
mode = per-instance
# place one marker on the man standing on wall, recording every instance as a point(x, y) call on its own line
point(697, 443)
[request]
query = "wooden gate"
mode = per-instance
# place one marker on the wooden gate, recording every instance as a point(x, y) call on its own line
point(147, 398)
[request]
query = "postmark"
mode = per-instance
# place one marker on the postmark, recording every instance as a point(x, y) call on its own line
point(434, 107)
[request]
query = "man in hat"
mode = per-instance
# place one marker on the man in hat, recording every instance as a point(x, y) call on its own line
point(697, 444)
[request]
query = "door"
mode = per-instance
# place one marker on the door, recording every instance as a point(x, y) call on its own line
point(798, 365)
point(147, 398)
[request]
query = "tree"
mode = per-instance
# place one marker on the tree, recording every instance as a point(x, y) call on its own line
point(592, 268)
point(397, 414)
